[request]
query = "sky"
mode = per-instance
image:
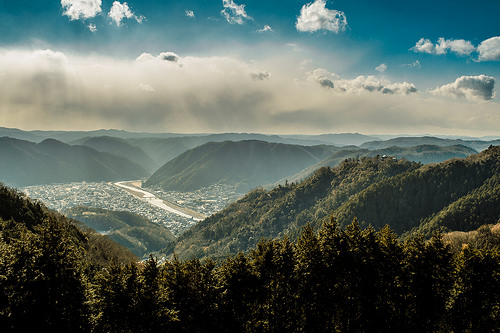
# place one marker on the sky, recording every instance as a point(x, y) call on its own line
point(283, 67)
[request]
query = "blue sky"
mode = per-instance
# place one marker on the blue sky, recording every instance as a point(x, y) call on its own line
point(416, 67)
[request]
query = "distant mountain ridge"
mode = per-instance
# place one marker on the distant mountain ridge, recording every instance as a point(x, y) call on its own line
point(428, 140)
point(243, 164)
point(423, 154)
point(26, 163)
point(119, 147)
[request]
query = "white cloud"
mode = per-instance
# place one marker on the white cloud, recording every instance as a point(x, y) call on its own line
point(460, 47)
point(81, 9)
point(92, 27)
point(489, 49)
point(315, 16)
point(381, 68)
point(266, 28)
point(360, 85)
point(234, 13)
point(424, 46)
point(473, 88)
point(189, 13)
point(120, 11)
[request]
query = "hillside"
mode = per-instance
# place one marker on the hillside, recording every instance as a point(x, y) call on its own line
point(119, 147)
point(20, 215)
point(408, 201)
point(26, 163)
point(133, 231)
point(407, 196)
point(162, 150)
point(243, 164)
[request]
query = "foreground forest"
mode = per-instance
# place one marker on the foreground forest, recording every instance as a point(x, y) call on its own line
point(57, 277)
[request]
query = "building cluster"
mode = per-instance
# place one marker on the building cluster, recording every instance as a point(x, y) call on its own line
point(61, 197)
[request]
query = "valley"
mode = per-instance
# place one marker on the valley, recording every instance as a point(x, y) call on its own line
point(182, 210)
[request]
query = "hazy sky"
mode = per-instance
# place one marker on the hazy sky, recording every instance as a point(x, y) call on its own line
point(386, 67)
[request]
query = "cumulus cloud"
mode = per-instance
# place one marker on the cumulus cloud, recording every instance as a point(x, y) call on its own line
point(81, 9)
point(360, 85)
point(92, 27)
point(323, 77)
point(189, 13)
point(424, 46)
point(458, 46)
point(315, 16)
point(266, 28)
point(489, 49)
point(120, 11)
point(234, 13)
point(473, 88)
point(381, 68)
point(371, 83)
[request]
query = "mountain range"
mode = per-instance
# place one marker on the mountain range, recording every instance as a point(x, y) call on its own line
point(458, 195)
point(50, 161)
point(243, 164)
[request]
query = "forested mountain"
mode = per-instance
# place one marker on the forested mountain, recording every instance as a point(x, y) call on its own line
point(477, 145)
point(133, 231)
point(459, 194)
point(423, 154)
point(244, 164)
point(120, 147)
point(27, 163)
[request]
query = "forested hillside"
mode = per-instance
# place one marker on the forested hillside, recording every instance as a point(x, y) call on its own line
point(26, 163)
point(133, 231)
point(459, 194)
point(243, 164)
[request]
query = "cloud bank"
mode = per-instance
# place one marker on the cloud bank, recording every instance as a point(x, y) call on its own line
point(315, 16)
point(474, 88)
point(166, 92)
